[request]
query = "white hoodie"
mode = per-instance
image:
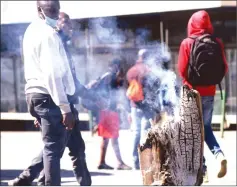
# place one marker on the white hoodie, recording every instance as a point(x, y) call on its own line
point(47, 68)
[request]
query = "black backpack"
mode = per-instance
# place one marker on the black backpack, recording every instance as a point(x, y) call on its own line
point(206, 64)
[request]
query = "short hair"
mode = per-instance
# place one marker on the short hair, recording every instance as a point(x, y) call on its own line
point(141, 52)
point(64, 15)
point(40, 3)
point(116, 61)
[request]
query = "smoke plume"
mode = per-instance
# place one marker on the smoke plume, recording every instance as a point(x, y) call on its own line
point(106, 31)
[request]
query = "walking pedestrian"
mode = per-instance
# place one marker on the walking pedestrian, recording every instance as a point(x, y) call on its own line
point(72, 138)
point(202, 65)
point(108, 119)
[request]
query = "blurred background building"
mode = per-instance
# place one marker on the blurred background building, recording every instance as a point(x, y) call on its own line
point(121, 30)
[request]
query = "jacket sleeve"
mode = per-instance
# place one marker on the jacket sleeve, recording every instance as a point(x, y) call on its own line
point(81, 89)
point(223, 54)
point(52, 63)
point(183, 59)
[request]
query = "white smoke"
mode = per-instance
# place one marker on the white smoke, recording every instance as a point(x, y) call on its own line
point(167, 97)
point(105, 31)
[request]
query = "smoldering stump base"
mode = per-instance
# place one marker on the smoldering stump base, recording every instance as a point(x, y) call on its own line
point(173, 151)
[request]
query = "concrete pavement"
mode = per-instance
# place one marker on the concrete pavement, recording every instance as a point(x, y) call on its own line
point(19, 148)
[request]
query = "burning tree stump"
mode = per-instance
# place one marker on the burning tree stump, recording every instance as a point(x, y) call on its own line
point(173, 151)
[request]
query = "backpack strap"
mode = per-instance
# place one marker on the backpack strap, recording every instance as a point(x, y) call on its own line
point(193, 37)
point(191, 57)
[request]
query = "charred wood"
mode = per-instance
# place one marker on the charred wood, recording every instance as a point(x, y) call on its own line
point(173, 150)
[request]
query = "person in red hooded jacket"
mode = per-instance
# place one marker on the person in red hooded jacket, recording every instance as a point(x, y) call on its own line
point(200, 24)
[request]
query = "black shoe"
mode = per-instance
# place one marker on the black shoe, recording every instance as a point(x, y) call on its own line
point(105, 166)
point(19, 182)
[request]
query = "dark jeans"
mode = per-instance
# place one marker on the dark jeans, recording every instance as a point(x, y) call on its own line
point(55, 138)
point(207, 110)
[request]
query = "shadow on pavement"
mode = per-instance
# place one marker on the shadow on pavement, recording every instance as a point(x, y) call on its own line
point(6, 175)
point(69, 173)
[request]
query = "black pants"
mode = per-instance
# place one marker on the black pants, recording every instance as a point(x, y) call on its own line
point(48, 161)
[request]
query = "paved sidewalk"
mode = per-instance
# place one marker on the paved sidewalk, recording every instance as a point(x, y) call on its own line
point(19, 148)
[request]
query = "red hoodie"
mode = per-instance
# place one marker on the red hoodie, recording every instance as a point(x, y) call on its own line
point(198, 24)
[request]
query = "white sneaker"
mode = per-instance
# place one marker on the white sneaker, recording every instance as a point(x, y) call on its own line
point(222, 160)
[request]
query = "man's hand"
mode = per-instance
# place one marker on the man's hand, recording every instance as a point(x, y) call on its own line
point(68, 120)
point(36, 123)
point(94, 130)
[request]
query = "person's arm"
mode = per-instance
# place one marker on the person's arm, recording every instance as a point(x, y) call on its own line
point(183, 59)
point(85, 93)
point(223, 54)
point(53, 63)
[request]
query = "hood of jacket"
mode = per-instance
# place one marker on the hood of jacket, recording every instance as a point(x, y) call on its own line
point(199, 23)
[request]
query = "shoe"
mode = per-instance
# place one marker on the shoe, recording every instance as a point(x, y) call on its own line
point(19, 182)
point(105, 166)
point(40, 184)
point(124, 167)
point(205, 177)
point(221, 159)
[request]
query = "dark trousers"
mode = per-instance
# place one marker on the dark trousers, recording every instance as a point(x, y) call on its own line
point(76, 148)
point(55, 139)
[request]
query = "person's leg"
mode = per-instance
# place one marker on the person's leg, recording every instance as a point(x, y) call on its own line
point(34, 169)
point(41, 179)
point(207, 109)
point(54, 142)
point(121, 164)
point(76, 146)
point(116, 148)
point(103, 149)
point(136, 134)
point(41, 107)
point(54, 136)
point(29, 174)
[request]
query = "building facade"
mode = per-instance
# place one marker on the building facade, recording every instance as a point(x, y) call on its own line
point(99, 40)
